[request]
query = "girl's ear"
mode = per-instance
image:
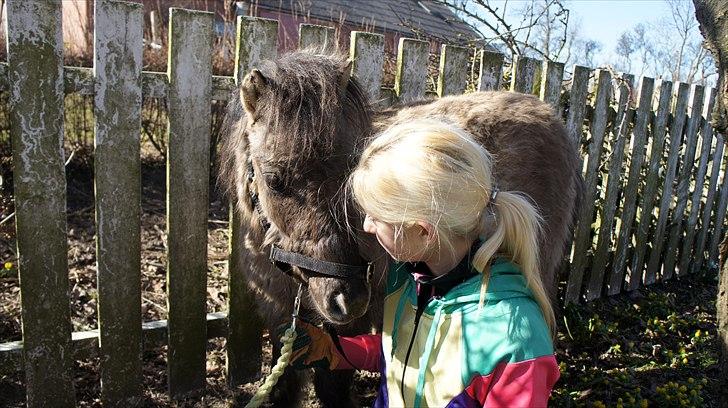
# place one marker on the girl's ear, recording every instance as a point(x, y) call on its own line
point(426, 231)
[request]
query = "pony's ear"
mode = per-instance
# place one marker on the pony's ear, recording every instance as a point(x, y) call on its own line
point(253, 86)
point(345, 75)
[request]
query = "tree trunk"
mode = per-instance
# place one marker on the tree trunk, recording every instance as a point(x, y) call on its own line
point(713, 18)
point(722, 316)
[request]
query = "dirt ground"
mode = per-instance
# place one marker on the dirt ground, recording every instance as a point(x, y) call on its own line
point(655, 347)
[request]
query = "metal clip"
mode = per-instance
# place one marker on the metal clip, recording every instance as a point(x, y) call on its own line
point(270, 256)
point(296, 306)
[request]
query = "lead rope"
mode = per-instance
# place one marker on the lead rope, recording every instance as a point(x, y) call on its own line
point(275, 373)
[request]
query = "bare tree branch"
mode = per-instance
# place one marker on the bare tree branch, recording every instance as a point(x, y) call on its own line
point(542, 29)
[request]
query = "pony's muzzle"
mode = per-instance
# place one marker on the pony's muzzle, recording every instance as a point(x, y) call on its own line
point(339, 301)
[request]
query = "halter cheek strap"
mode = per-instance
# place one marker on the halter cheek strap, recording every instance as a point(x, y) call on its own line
point(283, 259)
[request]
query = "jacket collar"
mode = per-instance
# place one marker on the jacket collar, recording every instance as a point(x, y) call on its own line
point(442, 284)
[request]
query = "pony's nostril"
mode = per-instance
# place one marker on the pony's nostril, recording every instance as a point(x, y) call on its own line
point(337, 304)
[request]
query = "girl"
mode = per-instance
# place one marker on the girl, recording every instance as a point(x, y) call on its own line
point(467, 321)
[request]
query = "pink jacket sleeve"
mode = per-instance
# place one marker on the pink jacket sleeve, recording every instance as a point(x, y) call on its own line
point(364, 352)
point(524, 384)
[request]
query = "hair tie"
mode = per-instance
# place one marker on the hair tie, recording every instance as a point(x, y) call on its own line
point(493, 195)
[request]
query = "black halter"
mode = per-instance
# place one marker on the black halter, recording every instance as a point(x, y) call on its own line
point(283, 260)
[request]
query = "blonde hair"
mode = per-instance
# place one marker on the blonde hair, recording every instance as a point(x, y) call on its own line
point(430, 170)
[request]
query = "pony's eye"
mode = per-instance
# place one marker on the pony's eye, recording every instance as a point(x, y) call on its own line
point(274, 182)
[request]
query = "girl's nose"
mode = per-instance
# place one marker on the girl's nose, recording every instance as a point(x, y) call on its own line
point(369, 226)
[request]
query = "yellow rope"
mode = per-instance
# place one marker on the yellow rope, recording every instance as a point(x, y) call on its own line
point(275, 373)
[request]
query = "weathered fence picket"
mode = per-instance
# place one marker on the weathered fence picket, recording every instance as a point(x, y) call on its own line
point(550, 87)
point(649, 195)
point(687, 260)
point(716, 160)
point(117, 180)
point(574, 128)
point(525, 73)
point(676, 130)
point(320, 38)
point(35, 72)
point(577, 103)
point(620, 127)
point(188, 175)
point(582, 236)
point(682, 191)
point(490, 72)
point(453, 76)
point(720, 211)
point(410, 77)
point(367, 55)
point(257, 40)
point(629, 208)
point(118, 84)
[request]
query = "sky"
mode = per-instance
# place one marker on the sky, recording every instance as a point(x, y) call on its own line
point(605, 20)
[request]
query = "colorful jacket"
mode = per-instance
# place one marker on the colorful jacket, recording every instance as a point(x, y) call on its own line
point(453, 354)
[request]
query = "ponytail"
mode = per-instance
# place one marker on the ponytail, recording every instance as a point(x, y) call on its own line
point(433, 171)
point(517, 226)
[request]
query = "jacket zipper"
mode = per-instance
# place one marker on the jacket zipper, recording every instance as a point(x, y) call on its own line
point(422, 300)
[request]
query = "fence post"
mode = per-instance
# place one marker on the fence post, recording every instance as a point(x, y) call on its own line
point(582, 236)
point(491, 71)
point(525, 74)
point(410, 80)
point(629, 208)
point(367, 55)
point(117, 110)
point(614, 181)
point(683, 182)
point(676, 130)
point(35, 73)
point(257, 40)
point(453, 76)
point(188, 167)
point(687, 262)
point(321, 38)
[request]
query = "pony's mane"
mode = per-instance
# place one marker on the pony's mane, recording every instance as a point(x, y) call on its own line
point(306, 100)
point(301, 109)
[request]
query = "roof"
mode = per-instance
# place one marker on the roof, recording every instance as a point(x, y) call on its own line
point(413, 18)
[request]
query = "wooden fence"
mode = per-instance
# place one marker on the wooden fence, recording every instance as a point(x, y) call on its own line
point(652, 209)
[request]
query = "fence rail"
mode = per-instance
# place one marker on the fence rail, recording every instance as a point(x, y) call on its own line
point(653, 208)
